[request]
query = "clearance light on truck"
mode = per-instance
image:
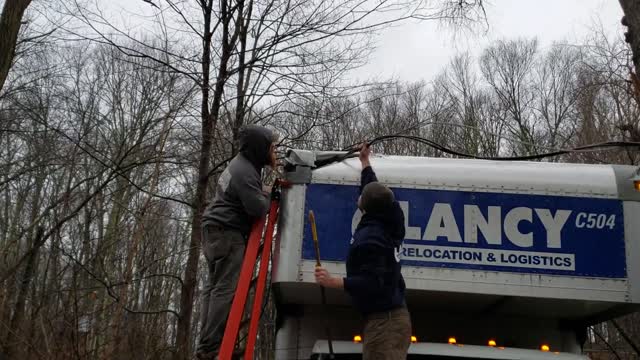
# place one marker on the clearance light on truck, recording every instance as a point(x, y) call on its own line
point(358, 339)
point(492, 343)
point(452, 341)
point(545, 348)
point(636, 180)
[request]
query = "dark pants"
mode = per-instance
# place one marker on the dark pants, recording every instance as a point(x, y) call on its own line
point(224, 252)
point(387, 335)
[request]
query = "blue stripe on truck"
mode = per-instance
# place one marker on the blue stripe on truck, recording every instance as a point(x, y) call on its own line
point(534, 234)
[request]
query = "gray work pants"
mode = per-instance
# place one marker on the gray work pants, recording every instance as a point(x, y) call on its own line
point(224, 252)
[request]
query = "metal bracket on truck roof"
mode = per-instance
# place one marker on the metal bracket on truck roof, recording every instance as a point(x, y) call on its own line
point(301, 158)
point(300, 163)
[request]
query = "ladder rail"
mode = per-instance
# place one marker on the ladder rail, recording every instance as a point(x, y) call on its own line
point(242, 290)
point(262, 279)
point(255, 248)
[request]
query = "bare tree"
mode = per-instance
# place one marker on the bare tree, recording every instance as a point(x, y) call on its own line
point(109, 144)
point(556, 87)
point(507, 67)
point(257, 53)
point(631, 19)
point(10, 24)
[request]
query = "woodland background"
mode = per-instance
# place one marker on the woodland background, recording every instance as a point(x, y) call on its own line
point(111, 137)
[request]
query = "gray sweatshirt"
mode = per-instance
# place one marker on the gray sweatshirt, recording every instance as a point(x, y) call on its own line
point(239, 200)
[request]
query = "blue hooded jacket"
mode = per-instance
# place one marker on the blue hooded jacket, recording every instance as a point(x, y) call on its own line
point(374, 280)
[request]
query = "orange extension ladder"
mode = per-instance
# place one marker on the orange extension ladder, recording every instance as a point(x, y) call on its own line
point(251, 256)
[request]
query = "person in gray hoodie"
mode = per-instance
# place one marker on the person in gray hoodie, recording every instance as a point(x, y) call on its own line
point(240, 199)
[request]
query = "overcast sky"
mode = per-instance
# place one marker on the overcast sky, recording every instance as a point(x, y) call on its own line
point(420, 50)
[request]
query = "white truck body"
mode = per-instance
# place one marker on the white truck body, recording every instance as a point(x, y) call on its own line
point(526, 253)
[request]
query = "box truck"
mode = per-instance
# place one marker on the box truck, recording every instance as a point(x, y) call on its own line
point(502, 260)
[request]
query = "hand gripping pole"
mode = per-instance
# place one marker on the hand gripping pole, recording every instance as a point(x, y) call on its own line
point(316, 245)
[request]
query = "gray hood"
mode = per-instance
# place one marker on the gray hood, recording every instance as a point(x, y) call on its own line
point(255, 142)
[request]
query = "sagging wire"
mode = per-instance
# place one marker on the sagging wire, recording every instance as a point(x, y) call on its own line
point(353, 149)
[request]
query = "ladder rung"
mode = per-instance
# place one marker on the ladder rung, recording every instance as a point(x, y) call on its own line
point(258, 249)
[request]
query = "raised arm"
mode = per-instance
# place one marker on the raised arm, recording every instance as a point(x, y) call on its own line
point(368, 175)
point(396, 215)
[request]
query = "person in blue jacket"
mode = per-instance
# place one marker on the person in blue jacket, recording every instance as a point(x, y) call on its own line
point(374, 280)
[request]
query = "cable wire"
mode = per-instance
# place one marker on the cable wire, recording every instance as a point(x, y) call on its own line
point(604, 146)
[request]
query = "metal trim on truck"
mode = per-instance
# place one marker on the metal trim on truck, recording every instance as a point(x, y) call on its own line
point(452, 351)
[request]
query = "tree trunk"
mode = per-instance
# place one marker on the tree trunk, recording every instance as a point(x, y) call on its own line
point(13, 348)
point(118, 332)
point(10, 23)
point(188, 286)
point(209, 121)
point(241, 88)
point(9, 286)
point(626, 337)
point(631, 9)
